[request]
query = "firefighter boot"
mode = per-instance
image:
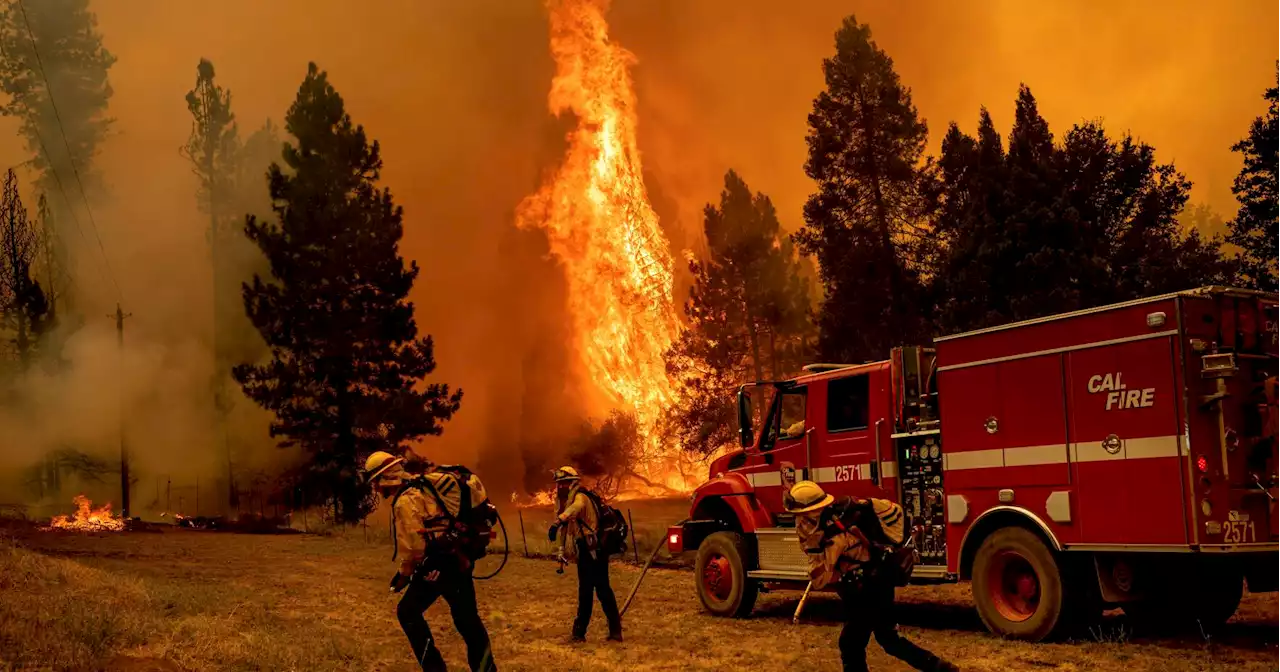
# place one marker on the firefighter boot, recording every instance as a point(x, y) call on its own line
point(615, 635)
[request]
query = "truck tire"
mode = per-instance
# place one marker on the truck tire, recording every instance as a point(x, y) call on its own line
point(1018, 586)
point(721, 576)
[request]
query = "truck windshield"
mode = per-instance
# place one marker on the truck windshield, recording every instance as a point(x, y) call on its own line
point(787, 421)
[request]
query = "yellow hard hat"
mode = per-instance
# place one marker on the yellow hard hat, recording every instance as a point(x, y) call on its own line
point(806, 496)
point(378, 463)
point(566, 474)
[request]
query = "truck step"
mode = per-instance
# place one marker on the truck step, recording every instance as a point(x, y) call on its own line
point(778, 575)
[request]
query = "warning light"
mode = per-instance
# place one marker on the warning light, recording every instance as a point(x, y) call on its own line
point(1202, 464)
point(673, 539)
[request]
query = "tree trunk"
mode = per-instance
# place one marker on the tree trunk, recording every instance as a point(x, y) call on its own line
point(773, 355)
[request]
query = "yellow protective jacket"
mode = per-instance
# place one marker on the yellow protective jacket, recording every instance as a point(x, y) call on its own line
point(580, 519)
point(845, 550)
point(416, 515)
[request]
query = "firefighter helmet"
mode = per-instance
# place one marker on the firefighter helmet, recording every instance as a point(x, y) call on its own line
point(378, 463)
point(806, 496)
point(565, 474)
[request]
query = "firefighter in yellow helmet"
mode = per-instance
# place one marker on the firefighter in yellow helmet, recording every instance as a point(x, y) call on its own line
point(850, 542)
point(428, 568)
point(578, 519)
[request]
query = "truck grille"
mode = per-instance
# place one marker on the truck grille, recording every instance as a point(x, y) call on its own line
point(779, 549)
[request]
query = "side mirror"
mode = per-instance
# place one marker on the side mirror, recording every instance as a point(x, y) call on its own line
point(746, 436)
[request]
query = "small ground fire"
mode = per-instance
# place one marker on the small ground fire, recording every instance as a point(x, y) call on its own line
point(88, 519)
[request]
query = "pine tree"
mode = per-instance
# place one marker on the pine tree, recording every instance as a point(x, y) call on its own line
point(747, 313)
point(1047, 228)
point(211, 149)
point(1256, 188)
point(866, 144)
point(347, 371)
point(23, 305)
point(66, 68)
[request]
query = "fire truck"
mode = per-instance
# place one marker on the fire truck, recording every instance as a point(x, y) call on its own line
point(1118, 456)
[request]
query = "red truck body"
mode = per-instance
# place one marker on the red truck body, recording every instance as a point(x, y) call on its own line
point(1094, 453)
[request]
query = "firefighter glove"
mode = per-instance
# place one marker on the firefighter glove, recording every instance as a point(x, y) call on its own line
point(398, 582)
point(551, 531)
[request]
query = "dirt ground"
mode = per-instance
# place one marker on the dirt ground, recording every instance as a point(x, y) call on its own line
point(190, 600)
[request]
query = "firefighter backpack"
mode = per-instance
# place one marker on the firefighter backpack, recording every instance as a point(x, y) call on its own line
point(611, 532)
point(894, 553)
point(471, 528)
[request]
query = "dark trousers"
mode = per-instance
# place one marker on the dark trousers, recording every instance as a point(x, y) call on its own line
point(868, 606)
point(459, 590)
point(593, 577)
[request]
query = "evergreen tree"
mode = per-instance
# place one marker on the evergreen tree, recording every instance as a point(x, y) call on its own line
point(23, 305)
point(747, 313)
point(865, 148)
point(1047, 228)
point(1254, 227)
point(211, 149)
point(66, 67)
point(346, 375)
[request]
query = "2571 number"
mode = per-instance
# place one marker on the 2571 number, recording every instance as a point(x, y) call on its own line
point(846, 472)
point(1238, 532)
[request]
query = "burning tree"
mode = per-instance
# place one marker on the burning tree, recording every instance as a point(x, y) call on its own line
point(346, 375)
point(600, 225)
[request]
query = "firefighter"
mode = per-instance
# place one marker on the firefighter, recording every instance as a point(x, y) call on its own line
point(579, 519)
point(429, 566)
point(836, 536)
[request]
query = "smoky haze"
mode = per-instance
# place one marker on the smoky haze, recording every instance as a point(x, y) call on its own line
point(456, 94)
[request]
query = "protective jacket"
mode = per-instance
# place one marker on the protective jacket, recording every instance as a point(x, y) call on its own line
point(417, 519)
point(580, 521)
point(841, 540)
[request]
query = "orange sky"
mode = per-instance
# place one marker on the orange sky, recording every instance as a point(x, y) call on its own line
point(456, 93)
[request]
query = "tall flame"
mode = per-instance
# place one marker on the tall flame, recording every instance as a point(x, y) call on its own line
point(601, 227)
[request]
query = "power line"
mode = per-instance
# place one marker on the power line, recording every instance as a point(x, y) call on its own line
point(75, 221)
point(70, 156)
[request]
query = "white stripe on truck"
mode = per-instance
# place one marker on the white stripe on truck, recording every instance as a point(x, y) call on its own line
point(1083, 451)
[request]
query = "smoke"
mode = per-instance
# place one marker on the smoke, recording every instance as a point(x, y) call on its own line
point(456, 94)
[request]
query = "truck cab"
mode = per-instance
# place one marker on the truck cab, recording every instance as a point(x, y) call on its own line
point(839, 425)
point(1118, 456)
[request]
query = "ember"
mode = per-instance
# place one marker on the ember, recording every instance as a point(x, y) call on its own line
point(88, 519)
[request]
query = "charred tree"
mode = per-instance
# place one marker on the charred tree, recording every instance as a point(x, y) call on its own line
point(23, 305)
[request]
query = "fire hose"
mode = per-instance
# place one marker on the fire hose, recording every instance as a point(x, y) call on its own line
point(398, 581)
point(643, 571)
point(506, 551)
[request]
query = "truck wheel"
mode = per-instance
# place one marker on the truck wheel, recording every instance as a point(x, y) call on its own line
point(721, 574)
point(1017, 586)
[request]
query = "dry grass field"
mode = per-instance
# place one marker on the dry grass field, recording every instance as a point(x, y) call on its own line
point(190, 600)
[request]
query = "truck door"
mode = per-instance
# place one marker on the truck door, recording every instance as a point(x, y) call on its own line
point(779, 459)
point(855, 454)
point(1125, 444)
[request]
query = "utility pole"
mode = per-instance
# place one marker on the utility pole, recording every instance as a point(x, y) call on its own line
point(124, 449)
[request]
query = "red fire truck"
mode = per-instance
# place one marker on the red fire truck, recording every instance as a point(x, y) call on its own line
point(1123, 455)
